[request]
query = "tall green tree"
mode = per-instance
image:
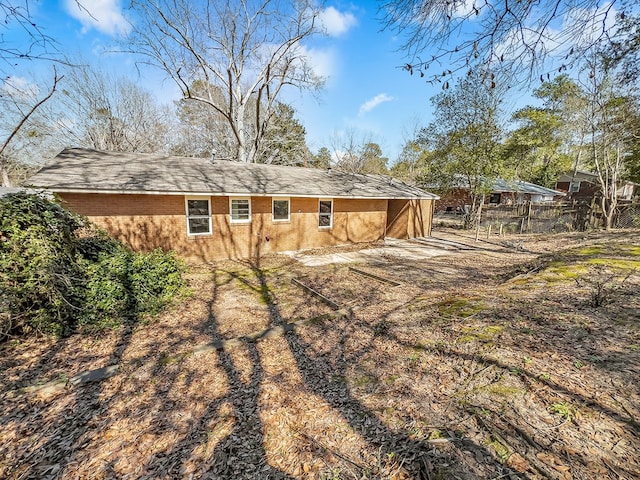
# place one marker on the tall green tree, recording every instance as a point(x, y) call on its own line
point(284, 142)
point(412, 162)
point(465, 139)
point(541, 148)
point(322, 159)
point(373, 160)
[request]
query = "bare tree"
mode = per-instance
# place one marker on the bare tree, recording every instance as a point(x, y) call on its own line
point(610, 114)
point(247, 49)
point(20, 123)
point(357, 152)
point(346, 146)
point(115, 113)
point(202, 131)
point(514, 35)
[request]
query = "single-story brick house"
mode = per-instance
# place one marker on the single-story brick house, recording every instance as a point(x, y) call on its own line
point(584, 186)
point(207, 210)
point(509, 192)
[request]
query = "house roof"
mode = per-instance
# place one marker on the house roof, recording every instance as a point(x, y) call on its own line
point(9, 190)
point(579, 175)
point(501, 185)
point(584, 176)
point(84, 170)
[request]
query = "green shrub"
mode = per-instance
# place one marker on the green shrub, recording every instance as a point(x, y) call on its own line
point(107, 295)
point(156, 277)
point(38, 272)
point(57, 272)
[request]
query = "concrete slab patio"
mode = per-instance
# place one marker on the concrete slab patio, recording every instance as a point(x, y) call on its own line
point(406, 249)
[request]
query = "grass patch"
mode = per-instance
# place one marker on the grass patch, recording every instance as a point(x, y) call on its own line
point(501, 450)
point(588, 251)
point(501, 390)
point(564, 409)
point(617, 263)
point(561, 272)
point(459, 307)
point(485, 334)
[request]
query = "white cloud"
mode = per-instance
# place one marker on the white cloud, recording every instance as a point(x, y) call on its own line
point(336, 23)
point(465, 8)
point(374, 102)
point(19, 88)
point(321, 60)
point(589, 24)
point(103, 15)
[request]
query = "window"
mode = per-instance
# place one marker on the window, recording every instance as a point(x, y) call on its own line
point(198, 216)
point(280, 209)
point(574, 186)
point(240, 210)
point(495, 198)
point(325, 214)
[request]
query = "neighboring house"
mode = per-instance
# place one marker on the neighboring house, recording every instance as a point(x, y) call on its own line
point(209, 210)
point(509, 192)
point(585, 186)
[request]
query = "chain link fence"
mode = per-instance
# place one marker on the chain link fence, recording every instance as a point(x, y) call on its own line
point(627, 216)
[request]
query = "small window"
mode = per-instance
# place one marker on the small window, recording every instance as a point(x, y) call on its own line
point(198, 216)
point(280, 209)
point(574, 187)
point(325, 214)
point(240, 210)
point(495, 198)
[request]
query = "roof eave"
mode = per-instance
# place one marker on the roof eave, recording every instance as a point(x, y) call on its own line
point(234, 194)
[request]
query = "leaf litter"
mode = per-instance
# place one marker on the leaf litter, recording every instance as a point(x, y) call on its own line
point(475, 368)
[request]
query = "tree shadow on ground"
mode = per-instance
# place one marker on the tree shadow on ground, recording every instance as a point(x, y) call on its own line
point(51, 457)
point(326, 380)
point(241, 453)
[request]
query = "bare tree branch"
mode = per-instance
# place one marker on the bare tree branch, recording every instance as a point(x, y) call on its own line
point(246, 49)
point(5, 175)
point(522, 38)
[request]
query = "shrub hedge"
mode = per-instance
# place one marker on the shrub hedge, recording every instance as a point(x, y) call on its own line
point(58, 272)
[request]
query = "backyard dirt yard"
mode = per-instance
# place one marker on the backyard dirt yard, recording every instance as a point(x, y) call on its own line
point(490, 361)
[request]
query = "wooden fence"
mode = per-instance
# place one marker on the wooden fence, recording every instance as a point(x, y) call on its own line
point(547, 217)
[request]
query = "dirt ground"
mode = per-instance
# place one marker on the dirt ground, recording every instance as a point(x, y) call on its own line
point(492, 362)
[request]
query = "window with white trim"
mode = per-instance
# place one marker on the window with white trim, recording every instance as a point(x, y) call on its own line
point(574, 186)
point(198, 215)
point(325, 213)
point(240, 209)
point(281, 209)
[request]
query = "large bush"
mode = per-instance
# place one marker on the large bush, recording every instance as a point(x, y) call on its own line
point(57, 272)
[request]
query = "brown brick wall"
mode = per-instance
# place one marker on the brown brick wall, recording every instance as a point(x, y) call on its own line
point(108, 204)
point(453, 200)
point(151, 221)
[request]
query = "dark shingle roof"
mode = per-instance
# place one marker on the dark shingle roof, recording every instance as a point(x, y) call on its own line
point(77, 169)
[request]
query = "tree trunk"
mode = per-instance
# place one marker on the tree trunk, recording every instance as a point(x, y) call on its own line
point(6, 181)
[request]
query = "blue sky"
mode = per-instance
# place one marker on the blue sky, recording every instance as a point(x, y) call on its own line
point(366, 94)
